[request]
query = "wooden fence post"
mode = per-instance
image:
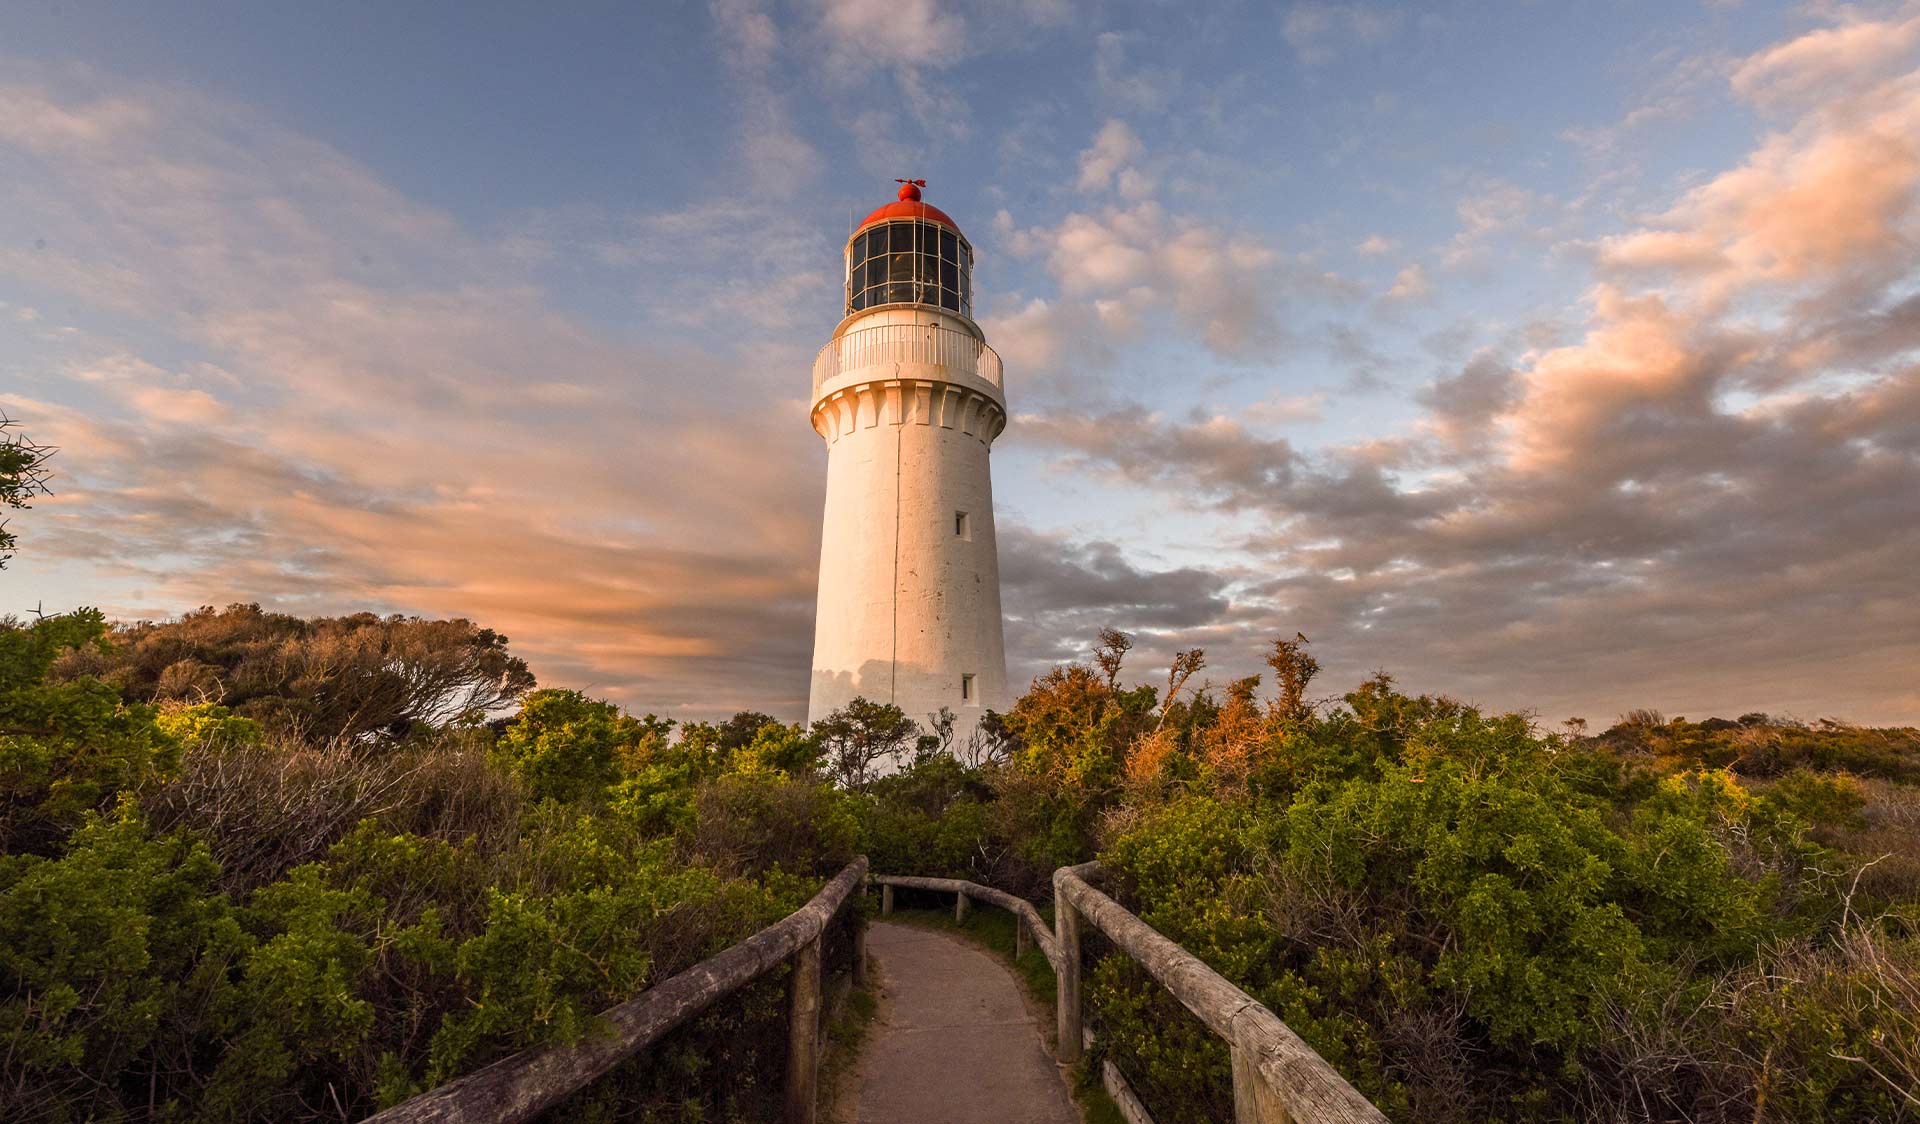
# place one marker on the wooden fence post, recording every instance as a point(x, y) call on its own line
point(886, 900)
point(1019, 936)
point(803, 1035)
point(962, 905)
point(1253, 1101)
point(1066, 937)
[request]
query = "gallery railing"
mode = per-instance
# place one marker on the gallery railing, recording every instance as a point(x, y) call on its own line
point(885, 345)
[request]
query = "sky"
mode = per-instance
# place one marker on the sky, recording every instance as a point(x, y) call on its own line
point(1560, 358)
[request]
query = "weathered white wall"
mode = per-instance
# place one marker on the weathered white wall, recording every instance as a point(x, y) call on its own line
point(906, 606)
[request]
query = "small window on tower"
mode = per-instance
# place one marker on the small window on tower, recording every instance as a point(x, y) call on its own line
point(962, 526)
point(966, 688)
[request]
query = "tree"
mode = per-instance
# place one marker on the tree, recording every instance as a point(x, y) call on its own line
point(739, 731)
point(23, 475)
point(1111, 652)
point(1186, 664)
point(1293, 670)
point(861, 735)
point(358, 677)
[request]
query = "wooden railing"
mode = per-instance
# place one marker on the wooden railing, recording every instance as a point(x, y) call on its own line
point(1028, 924)
point(520, 1087)
point(1277, 1078)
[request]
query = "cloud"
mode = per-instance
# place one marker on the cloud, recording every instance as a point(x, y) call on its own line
point(1829, 62)
point(1696, 488)
point(1286, 409)
point(910, 33)
point(1705, 498)
point(1057, 347)
point(1495, 207)
point(1059, 593)
point(178, 407)
point(1125, 81)
point(1374, 244)
point(391, 414)
point(1126, 260)
point(1213, 460)
point(1829, 201)
point(1318, 33)
point(1114, 148)
point(1462, 406)
point(1410, 283)
point(776, 157)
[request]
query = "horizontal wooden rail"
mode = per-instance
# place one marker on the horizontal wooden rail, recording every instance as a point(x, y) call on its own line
point(520, 1087)
point(1028, 924)
point(1277, 1078)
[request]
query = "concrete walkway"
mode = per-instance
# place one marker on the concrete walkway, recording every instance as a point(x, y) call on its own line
point(955, 1042)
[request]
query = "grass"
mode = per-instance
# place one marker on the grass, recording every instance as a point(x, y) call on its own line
point(993, 929)
point(846, 1036)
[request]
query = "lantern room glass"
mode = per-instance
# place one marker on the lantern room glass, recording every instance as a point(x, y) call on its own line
point(910, 262)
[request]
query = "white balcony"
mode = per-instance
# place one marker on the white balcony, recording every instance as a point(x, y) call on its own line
point(904, 346)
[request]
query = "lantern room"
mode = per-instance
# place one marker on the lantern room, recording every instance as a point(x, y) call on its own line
point(908, 252)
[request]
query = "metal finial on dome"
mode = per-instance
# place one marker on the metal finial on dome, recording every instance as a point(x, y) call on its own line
point(910, 190)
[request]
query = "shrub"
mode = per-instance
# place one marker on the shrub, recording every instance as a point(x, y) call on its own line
point(566, 746)
point(66, 748)
point(762, 822)
point(116, 966)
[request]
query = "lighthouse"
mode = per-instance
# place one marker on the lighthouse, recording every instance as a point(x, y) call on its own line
point(909, 397)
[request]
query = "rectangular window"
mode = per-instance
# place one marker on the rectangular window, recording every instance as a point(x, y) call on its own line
point(966, 687)
point(962, 526)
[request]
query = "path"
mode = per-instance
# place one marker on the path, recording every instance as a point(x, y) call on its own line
point(955, 1042)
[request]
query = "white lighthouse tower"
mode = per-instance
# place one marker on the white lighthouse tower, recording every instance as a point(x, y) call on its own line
point(909, 399)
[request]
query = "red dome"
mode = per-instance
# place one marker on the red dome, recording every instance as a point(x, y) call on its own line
point(909, 206)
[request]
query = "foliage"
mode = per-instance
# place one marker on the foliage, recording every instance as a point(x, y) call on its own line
point(863, 738)
point(66, 747)
point(206, 916)
point(259, 868)
point(1758, 745)
point(355, 677)
point(566, 746)
point(209, 725)
point(117, 961)
point(1472, 921)
point(1469, 918)
point(23, 475)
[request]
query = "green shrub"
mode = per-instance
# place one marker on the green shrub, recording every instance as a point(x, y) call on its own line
point(567, 746)
point(66, 748)
point(117, 963)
